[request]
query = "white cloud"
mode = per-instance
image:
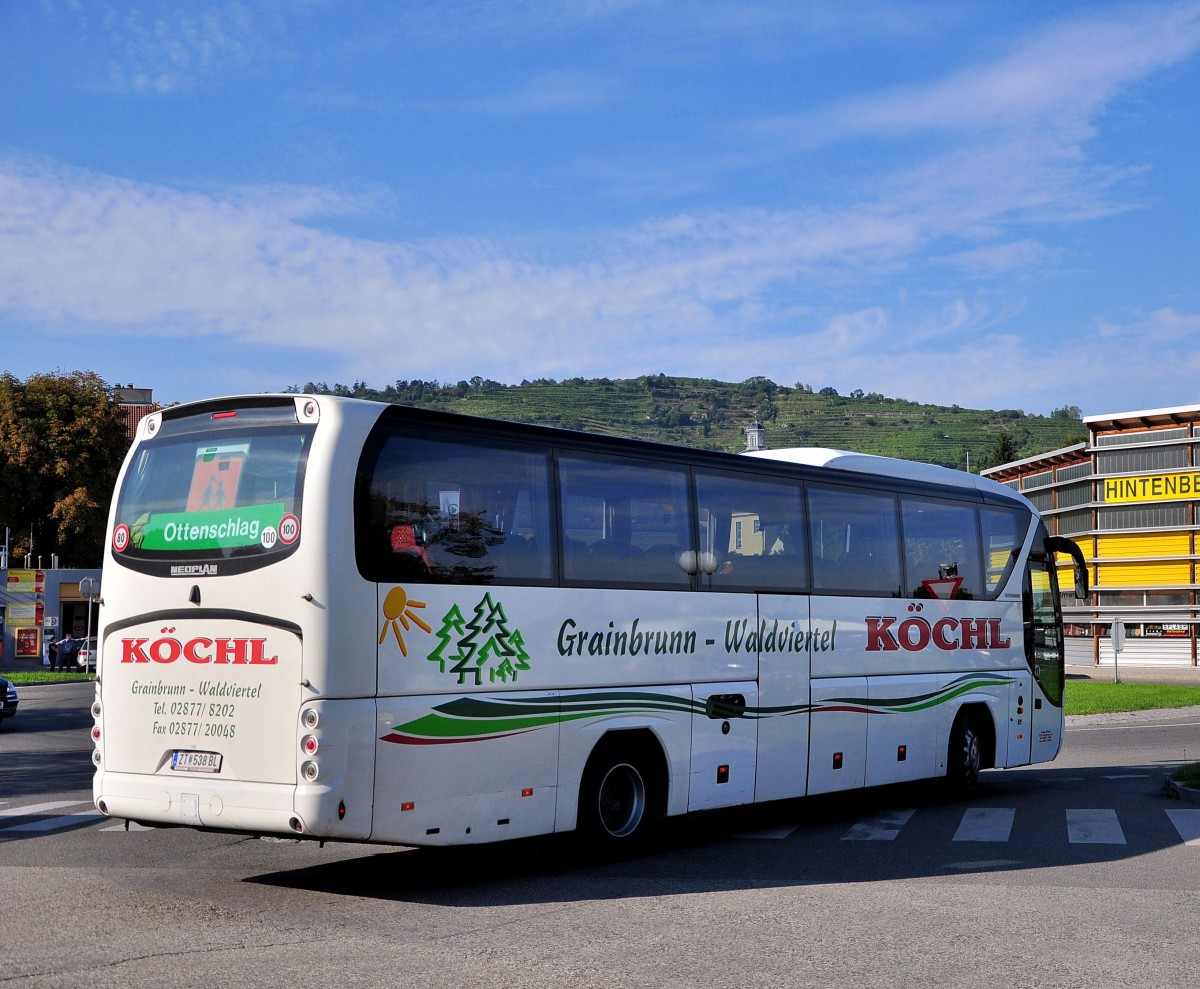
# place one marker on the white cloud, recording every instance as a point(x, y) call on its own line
point(166, 48)
point(95, 252)
point(1166, 326)
point(1055, 82)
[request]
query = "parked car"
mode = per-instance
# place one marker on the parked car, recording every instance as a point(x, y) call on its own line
point(8, 700)
point(85, 655)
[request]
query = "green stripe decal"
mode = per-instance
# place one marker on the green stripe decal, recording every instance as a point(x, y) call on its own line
point(482, 717)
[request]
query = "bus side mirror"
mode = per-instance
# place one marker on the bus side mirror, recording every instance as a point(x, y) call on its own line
point(1060, 544)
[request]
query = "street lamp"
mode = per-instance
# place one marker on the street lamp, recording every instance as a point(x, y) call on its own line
point(89, 587)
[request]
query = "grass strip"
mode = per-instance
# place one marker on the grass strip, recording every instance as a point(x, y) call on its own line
point(45, 676)
point(1097, 697)
point(1188, 775)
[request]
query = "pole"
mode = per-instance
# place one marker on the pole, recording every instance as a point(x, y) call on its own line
point(88, 586)
point(1118, 641)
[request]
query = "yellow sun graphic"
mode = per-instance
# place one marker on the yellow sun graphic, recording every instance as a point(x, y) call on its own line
point(397, 611)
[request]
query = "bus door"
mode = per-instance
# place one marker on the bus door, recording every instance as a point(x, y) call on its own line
point(1044, 652)
point(784, 664)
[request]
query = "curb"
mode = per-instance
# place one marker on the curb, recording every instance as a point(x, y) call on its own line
point(1177, 791)
point(1120, 718)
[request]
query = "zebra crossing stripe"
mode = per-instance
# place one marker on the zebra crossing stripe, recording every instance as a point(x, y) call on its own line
point(50, 823)
point(1084, 826)
point(986, 824)
point(31, 809)
point(1094, 827)
point(1187, 823)
point(881, 827)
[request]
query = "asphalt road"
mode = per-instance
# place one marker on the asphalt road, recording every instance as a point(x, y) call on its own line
point(1074, 874)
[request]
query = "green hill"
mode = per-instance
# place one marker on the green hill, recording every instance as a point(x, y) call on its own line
point(702, 412)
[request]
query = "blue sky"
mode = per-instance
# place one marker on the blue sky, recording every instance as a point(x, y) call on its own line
point(988, 204)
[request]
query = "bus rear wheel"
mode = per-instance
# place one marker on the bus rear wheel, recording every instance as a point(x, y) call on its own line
point(616, 797)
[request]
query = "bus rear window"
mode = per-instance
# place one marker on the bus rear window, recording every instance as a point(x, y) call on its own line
point(229, 497)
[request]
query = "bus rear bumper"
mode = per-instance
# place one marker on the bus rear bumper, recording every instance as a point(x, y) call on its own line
point(198, 803)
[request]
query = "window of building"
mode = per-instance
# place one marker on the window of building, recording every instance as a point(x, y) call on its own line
point(1072, 523)
point(1131, 461)
point(1071, 495)
point(1142, 599)
point(1143, 517)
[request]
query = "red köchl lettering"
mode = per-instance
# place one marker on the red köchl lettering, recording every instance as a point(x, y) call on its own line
point(200, 650)
point(949, 634)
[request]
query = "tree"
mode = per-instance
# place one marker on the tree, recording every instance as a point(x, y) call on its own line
point(62, 438)
point(1003, 451)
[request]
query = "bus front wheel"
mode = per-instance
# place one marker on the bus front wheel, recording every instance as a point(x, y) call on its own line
point(965, 757)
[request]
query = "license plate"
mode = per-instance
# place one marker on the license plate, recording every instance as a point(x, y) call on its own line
point(196, 762)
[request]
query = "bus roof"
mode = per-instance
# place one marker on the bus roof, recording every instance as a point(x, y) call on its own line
point(818, 457)
point(867, 463)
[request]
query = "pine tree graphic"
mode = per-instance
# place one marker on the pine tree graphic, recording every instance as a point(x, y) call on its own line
point(484, 642)
point(453, 624)
point(514, 662)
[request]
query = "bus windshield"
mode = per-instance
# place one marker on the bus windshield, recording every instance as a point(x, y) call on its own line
point(209, 493)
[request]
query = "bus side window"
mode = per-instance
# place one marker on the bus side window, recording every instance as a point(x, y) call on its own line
point(855, 540)
point(1003, 533)
point(446, 510)
point(941, 549)
point(754, 533)
point(624, 523)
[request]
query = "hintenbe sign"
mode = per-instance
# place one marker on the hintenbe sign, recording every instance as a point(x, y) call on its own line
point(1150, 487)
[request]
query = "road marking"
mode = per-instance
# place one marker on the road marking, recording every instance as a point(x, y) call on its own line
point(986, 824)
point(51, 823)
point(31, 809)
point(1094, 827)
point(1187, 823)
point(882, 827)
point(134, 826)
point(1128, 776)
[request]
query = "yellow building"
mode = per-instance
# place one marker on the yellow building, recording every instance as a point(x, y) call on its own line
point(1130, 497)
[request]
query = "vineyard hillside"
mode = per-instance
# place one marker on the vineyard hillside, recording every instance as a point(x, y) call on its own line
point(702, 412)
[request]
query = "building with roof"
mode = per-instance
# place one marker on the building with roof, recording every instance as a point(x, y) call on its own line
point(136, 403)
point(1129, 495)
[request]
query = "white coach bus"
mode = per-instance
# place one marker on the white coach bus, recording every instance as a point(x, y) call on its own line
point(350, 621)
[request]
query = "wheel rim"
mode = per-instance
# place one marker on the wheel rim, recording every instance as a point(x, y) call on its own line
point(970, 755)
point(621, 802)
